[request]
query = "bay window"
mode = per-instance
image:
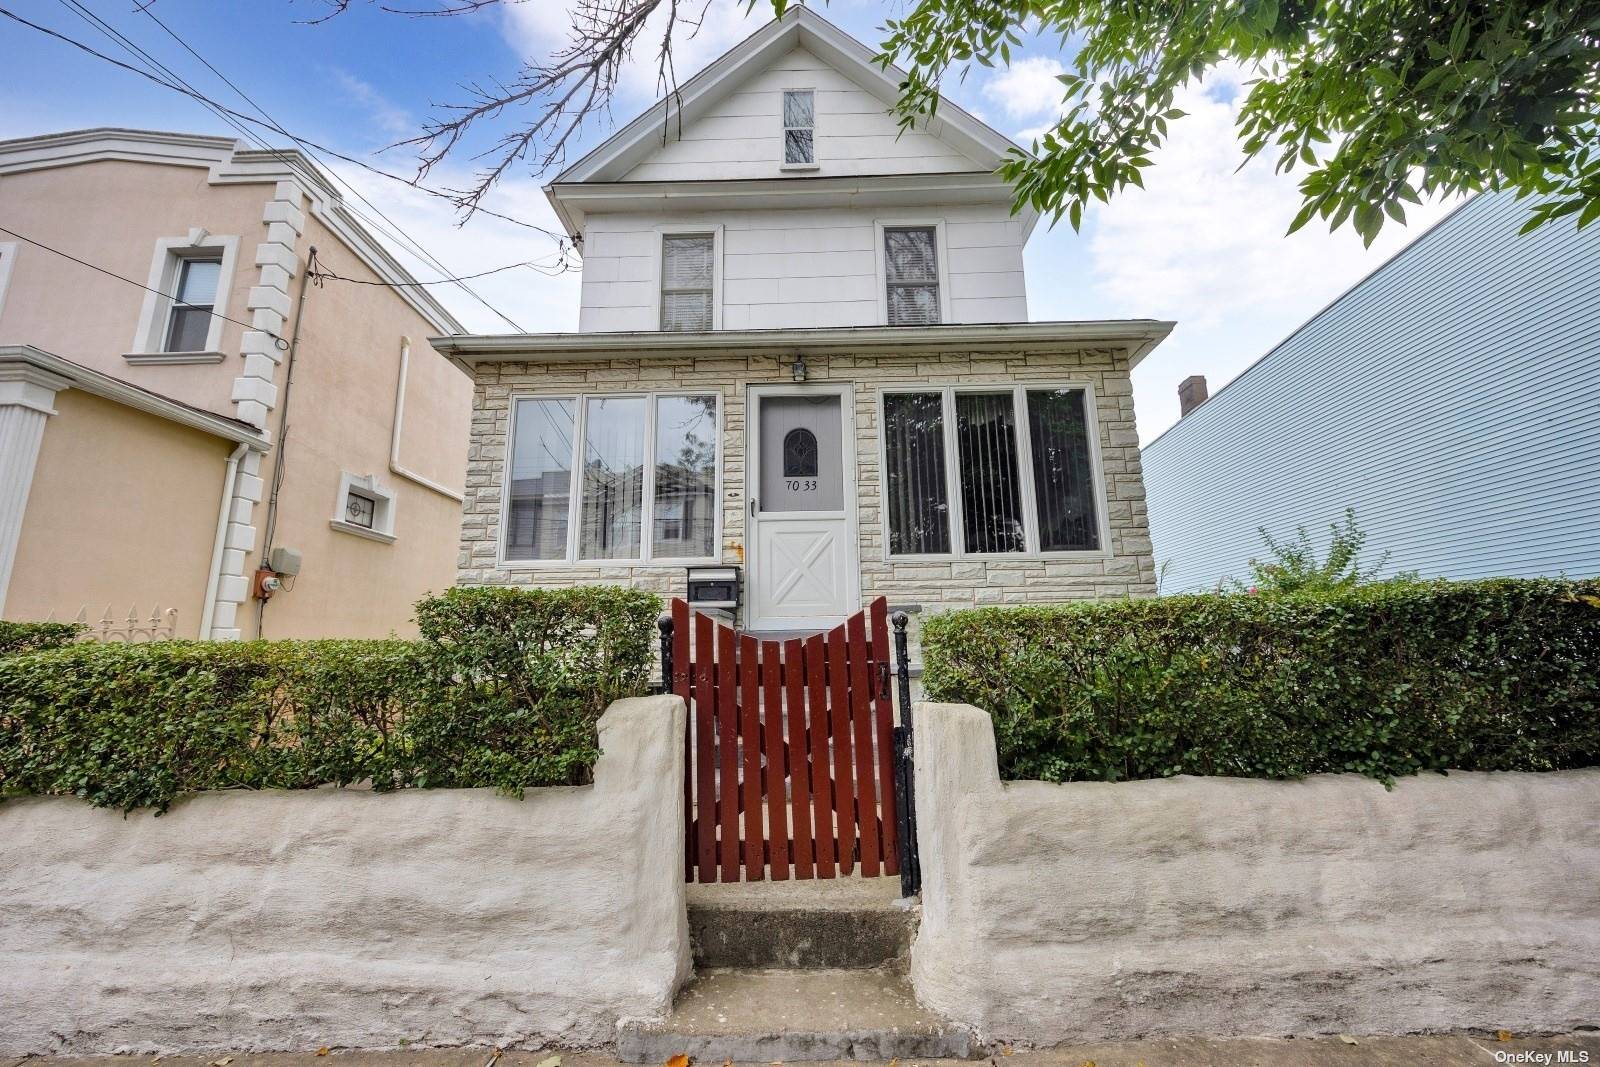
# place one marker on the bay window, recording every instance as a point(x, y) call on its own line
point(641, 468)
point(990, 471)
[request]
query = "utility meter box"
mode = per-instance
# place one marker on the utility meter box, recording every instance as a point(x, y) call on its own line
point(714, 587)
point(284, 561)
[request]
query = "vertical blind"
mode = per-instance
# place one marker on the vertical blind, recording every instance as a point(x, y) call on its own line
point(540, 480)
point(687, 277)
point(686, 473)
point(914, 473)
point(609, 524)
point(911, 265)
point(991, 496)
point(1062, 479)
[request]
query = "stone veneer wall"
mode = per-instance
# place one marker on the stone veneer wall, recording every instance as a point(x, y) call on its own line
point(1128, 571)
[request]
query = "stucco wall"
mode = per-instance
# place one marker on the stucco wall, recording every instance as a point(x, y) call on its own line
point(122, 513)
point(1126, 570)
point(1238, 907)
point(339, 917)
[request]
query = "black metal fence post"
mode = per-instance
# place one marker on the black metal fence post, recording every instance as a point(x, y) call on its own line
point(664, 624)
point(905, 767)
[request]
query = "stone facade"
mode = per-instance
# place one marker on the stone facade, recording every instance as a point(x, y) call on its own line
point(1127, 569)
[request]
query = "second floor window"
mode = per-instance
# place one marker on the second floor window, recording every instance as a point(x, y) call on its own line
point(687, 277)
point(911, 270)
point(799, 127)
point(195, 299)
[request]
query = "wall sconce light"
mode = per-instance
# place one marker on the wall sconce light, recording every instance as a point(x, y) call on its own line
point(798, 368)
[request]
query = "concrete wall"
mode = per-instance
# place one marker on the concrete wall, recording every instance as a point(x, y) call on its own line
point(1126, 570)
point(1237, 907)
point(338, 917)
point(122, 513)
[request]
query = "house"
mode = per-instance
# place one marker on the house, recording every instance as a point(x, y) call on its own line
point(153, 457)
point(1452, 398)
point(804, 351)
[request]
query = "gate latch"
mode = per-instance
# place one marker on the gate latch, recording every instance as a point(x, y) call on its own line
point(883, 681)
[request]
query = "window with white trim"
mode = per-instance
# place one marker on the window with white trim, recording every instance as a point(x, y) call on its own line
point(911, 272)
point(194, 302)
point(989, 471)
point(364, 508)
point(799, 127)
point(642, 469)
point(183, 313)
point(688, 278)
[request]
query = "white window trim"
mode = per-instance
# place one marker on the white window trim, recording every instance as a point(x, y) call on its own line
point(1030, 499)
point(149, 339)
point(941, 248)
point(575, 486)
point(658, 259)
point(383, 514)
point(784, 128)
point(8, 260)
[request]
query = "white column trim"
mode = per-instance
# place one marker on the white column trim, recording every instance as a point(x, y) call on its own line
point(27, 400)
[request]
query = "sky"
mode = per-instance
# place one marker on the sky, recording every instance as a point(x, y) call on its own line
point(1203, 244)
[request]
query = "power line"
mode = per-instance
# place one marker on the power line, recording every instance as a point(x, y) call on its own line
point(328, 275)
point(394, 230)
point(276, 340)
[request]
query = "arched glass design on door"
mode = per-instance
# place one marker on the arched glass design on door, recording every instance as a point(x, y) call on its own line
point(800, 454)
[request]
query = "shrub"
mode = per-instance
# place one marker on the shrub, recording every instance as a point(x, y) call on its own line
point(503, 691)
point(1384, 680)
point(20, 637)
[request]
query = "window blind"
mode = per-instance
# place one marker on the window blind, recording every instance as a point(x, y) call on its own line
point(687, 276)
point(1062, 479)
point(914, 473)
point(911, 267)
point(991, 493)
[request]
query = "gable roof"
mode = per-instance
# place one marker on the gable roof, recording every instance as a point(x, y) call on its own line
point(800, 26)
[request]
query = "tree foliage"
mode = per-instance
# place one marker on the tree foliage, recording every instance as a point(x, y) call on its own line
point(1378, 103)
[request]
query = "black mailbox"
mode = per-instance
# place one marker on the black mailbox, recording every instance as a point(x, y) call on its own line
point(714, 587)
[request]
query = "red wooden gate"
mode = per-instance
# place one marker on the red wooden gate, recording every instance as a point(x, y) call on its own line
point(790, 764)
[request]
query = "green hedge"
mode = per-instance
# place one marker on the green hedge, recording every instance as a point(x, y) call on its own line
point(1384, 680)
point(19, 637)
point(503, 690)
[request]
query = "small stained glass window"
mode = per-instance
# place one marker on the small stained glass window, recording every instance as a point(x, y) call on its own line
point(360, 510)
point(800, 454)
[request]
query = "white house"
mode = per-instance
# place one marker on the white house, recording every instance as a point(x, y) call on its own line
point(804, 350)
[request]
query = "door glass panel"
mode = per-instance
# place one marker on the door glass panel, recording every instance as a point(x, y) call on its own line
point(1058, 431)
point(610, 524)
point(801, 433)
point(991, 497)
point(914, 473)
point(686, 472)
point(541, 480)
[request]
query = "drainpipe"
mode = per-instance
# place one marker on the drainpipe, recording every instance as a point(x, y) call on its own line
point(214, 579)
point(394, 435)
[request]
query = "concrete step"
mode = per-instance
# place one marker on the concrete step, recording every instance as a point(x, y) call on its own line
point(800, 925)
point(763, 1016)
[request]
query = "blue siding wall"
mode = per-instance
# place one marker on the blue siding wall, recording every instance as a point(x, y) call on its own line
point(1452, 399)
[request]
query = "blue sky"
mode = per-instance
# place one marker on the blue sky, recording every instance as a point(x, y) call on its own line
point(1203, 244)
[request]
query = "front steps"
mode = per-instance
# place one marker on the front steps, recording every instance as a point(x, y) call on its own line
point(797, 971)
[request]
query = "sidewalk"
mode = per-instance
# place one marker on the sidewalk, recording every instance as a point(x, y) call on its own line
point(1463, 1050)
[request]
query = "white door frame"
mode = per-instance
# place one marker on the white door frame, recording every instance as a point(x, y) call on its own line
point(752, 482)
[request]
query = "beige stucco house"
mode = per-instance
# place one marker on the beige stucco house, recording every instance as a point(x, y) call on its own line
point(153, 456)
point(804, 350)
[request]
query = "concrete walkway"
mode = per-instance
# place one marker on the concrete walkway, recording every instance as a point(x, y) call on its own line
point(1465, 1050)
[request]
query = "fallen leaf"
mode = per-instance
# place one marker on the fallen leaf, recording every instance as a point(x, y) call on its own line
point(1347, 1039)
point(323, 1051)
point(680, 1060)
point(553, 1061)
point(1503, 1035)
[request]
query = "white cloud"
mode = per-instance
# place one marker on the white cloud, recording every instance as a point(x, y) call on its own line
point(389, 116)
point(1027, 89)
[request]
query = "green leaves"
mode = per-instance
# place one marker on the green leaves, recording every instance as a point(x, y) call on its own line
point(1434, 99)
point(503, 691)
point(1383, 680)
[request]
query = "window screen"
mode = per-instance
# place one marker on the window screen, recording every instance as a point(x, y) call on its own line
point(687, 273)
point(799, 126)
point(911, 266)
point(196, 298)
point(540, 489)
point(686, 473)
point(1062, 480)
point(610, 526)
point(914, 473)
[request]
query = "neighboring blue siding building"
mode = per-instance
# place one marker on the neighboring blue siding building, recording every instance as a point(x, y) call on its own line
point(1452, 398)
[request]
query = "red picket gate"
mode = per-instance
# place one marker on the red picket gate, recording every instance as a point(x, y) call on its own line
point(790, 763)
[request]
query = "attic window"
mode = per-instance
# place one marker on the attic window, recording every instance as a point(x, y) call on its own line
point(799, 127)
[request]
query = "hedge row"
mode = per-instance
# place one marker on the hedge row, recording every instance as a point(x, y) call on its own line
point(19, 637)
point(1383, 680)
point(503, 690)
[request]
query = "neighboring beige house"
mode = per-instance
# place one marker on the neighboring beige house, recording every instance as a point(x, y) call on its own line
point(152, 301)
point(804, 351)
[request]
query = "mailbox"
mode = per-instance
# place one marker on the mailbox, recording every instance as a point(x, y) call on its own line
point(714, 587)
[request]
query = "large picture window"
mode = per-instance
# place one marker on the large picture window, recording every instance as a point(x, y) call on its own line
point(642, 468)
point(989, 471)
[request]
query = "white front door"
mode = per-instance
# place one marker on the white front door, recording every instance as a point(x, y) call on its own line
point(800, 483)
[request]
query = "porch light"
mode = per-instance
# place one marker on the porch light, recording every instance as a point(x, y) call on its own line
point(798, 368)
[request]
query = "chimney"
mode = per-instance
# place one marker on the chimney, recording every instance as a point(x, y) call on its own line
point(1191, 393)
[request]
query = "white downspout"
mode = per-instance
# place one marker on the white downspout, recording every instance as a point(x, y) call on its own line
point(394, 435)
point(214, 579)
